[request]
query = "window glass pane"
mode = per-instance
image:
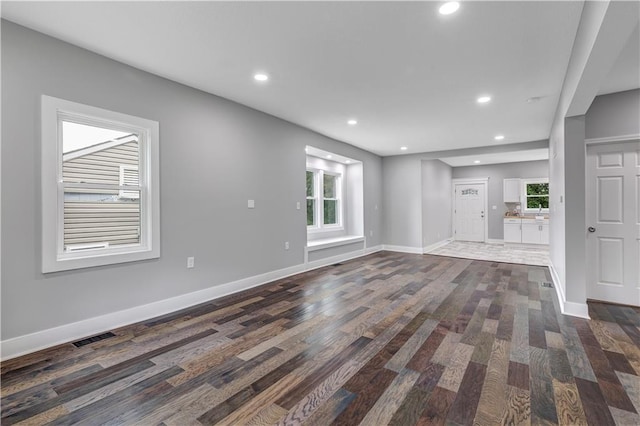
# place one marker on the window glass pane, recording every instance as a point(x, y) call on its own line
point(536, 202)
point(94, 154)
point(95, 219)
point(310, 184)
point(330, 216)
point(311, 207)
point(329, 185)
point(537, 189)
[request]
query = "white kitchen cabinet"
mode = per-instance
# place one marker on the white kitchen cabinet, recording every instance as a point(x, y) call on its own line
point(512, 232)
point(511, 190)
point(535, 231)
point(544, 234)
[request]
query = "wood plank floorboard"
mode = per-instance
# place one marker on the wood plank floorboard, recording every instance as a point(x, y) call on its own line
point(389, 338)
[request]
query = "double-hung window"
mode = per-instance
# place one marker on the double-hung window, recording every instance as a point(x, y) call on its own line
point(324, 201)
point(100, 193)
point(535, 194)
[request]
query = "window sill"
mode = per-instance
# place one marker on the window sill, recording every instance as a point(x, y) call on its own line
point(333, 242)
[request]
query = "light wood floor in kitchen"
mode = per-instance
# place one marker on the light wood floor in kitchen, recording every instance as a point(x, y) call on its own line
point(385, 339)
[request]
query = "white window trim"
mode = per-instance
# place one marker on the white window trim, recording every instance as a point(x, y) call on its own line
point(54, 258)
point(523, 192)
point(319, 227)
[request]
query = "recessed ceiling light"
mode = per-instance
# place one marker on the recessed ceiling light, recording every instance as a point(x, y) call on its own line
point(483, 99)
point(449, 7)
point(533, 99)
point(352, 122)
point(499, 137)
point(476, 162)
point(328, 156)
point(260, 77)
point(348, 161)
point(404, 148)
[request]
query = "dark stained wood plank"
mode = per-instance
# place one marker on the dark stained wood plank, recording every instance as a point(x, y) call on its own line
point(437, 407)
point(593, 403)
point(464, 407)
point(518, 375)
point(367, 395)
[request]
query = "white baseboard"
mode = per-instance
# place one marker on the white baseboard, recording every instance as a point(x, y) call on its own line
point(436, 245)
point(403, 249)
point(574, 309)
point(494, 241)
point(29, 343)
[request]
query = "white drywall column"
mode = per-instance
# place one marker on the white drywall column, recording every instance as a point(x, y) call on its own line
point(605, 27)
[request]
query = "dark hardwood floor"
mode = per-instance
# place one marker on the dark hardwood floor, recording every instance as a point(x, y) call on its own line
point(385, 339)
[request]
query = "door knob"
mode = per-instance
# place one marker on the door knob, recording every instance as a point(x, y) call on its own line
point(592, 229)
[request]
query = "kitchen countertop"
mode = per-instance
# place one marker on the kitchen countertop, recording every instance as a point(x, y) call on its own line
point(526, 216)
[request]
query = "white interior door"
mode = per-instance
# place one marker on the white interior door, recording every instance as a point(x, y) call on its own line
point(469, 214)
point(613, 221)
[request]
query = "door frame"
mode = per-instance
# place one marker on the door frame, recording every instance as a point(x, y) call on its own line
point(470, 181)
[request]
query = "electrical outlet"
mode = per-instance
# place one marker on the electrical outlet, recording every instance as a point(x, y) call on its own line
point(251, 204)
point(371, 233)
point(286, 245)
point(298, 205)
point(494, 207)
point(191, 262)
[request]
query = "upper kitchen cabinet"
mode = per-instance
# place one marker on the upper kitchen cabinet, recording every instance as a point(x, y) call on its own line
point(511, 191)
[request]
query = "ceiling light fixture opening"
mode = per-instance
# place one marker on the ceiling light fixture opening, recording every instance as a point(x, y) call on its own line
point(348, 161)
point(449, 7)
point(403, 148)
point(476, 162)
point(352, 122)
point(260, 77)
point(499, 137)
point(483, 99)
point(329, 156)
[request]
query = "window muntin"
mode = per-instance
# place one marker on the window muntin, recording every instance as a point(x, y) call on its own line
point(535, 194)
point(99, 186)
point(323, 189)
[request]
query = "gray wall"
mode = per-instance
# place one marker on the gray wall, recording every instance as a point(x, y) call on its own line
point(214, 156)
point(496, 174)
point(616, 114)
point(402, 206)
point(436, 202)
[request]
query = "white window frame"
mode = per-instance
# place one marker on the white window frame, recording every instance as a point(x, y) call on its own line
point(524, 183)
point(54, 257)
point(318, 180)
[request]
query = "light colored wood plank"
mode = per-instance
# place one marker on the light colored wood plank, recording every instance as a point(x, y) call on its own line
point(568, 404)
point(452, 375)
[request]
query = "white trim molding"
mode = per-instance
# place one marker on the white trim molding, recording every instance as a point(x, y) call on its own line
point(403, 249)
point(22, 345)
point(495, 241)
point(620, 138)
point(436, 245)
point(574, 309)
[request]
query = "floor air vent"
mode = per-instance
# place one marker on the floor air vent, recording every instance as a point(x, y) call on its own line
point(93, 339)
point(547, 284)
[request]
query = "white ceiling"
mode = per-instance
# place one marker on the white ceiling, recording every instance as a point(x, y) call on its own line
point(625, 74)
point(407, 74)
